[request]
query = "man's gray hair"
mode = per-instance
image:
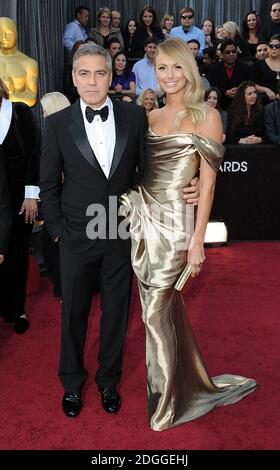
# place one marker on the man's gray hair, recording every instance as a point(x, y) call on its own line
point(92, 49)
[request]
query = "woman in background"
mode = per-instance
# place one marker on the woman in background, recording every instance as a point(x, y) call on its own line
point(52, 103)
point(167, 23)
point(104, 31)
point(20, 145)
point(128, 37)
point(245, 116)
point(212, 97)
point(208, 27)
point(251, 32)
point(266, 72)
point(123, 80)
point(147, 28)
point(231, 31)
point(148, 99)
point(219, 33)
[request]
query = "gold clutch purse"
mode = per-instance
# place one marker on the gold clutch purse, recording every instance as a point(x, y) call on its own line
point(183, 277)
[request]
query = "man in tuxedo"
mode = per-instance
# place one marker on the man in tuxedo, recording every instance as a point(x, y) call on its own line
point(98, 153)
point(98, 145)
point(5, 209)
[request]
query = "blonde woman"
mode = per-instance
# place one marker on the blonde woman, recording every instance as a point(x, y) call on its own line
point(231, 31)
point(53, 102)
point(183, 137)
point(148, 99)
point(104, 30)
point(167, 23)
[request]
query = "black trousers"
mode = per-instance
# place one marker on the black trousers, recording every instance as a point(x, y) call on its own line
point(50, 253)
point(78, 278)
point(13, 272)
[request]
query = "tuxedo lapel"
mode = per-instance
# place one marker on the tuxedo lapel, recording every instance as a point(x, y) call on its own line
point(78, 133)
point(121, 136)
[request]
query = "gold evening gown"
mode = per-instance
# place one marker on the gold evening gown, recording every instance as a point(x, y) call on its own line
point(161, 227)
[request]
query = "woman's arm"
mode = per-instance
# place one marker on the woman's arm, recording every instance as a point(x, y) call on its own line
point(132, 88)
point(263, 89)
point(211, 128)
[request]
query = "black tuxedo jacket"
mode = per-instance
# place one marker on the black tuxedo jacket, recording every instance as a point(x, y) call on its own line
point(66, 150)
point(218, 78)
point(5, 206)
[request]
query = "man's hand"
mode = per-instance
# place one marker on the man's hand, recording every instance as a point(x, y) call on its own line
point(231, 93)
point(271, 95)
point(191, 193)
point(29, 206)
point(1, 259)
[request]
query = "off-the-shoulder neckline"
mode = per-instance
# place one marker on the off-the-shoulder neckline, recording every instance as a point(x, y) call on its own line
point(183, 134)
point(172, 135)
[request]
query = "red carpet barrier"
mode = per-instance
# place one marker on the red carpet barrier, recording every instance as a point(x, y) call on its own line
point(247, 194)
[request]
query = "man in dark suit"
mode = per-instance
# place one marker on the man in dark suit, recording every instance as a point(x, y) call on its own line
point(228, 74)
point(98, 155)
point(272, 122)
point(97, 145)
point(5, 209)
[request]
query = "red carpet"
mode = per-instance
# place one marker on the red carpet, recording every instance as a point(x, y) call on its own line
point(235, 311)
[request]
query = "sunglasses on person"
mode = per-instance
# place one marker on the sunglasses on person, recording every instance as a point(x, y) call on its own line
point(234, 51)
point(187, 17)
point(275, 10)
point(274, 46)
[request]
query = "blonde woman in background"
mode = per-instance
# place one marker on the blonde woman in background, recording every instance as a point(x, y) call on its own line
point(231, 31)
point(52, 103)
point(167, 23)
point(148, 99)
point(104, 31)
point(184, 136)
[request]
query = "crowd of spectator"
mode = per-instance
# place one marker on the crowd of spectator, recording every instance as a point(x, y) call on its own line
point(240, 67)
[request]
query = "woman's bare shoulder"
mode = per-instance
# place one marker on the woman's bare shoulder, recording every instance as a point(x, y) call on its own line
point(212, 127)
point(154, 116)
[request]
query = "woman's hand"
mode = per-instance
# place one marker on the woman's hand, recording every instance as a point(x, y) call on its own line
point(251, 139)
point(30, 207)
point(196, 257)
point(1, 259)
point(118, 88)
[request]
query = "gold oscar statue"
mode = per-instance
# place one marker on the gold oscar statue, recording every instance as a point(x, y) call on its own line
point(18, 71)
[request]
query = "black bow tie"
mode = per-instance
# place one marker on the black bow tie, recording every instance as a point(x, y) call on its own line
point(91, 113)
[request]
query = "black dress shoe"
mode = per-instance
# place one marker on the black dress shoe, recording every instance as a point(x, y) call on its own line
point(72, 404)
point(21, 325)
point(110, 399)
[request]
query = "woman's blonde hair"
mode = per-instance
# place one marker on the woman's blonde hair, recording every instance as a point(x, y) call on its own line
point(103, 10)
point(166, 16)
point(231, 28)
point(193, 99)
point(53, 102)
point(141, 97)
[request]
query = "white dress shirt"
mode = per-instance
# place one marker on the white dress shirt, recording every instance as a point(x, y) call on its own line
point(6, 114)
point(101, 136)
